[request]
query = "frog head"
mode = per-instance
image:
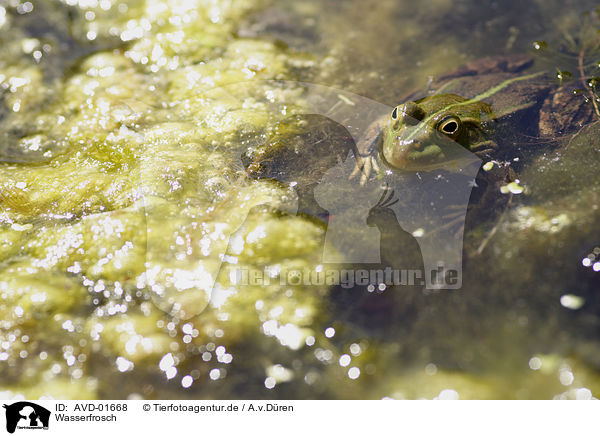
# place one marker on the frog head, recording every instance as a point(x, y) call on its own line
point(428, 133)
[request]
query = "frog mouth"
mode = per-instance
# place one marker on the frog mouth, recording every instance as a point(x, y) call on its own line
point(410, 155)
point(413, 155)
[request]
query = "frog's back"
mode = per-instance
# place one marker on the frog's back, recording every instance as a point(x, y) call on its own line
point(507, 83)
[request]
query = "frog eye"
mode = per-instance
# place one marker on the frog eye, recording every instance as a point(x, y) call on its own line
point(449, 126)
point(395, 113)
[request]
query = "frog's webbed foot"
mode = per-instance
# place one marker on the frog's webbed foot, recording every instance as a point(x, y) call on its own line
point(484, 149)
point(366, 162)
point(365, 167)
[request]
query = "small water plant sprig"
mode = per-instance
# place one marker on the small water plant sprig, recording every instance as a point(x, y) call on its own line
point(578, 52)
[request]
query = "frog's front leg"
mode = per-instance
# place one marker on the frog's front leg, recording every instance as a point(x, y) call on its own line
point(366, 152)
point(365, 166)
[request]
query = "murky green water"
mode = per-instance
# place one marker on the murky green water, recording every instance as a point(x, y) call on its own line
point(120, 124)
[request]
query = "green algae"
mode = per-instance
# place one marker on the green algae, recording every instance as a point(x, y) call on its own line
point(129, 154)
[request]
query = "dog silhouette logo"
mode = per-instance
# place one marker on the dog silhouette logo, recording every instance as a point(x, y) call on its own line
point(26, 415)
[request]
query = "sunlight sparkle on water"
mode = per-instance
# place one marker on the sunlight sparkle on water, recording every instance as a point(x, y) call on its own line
point(430, 369)
point(279, 373)
point(535, 363)
point(571, 301)
point(187, 381)
point(171, 372)
point(447, 394)
point(270, 382)
point(123, 364)
point(345, 360)
point(583, 394)
point(166, 362)
point(289, 335)
point(354, 373)
point(566, 377)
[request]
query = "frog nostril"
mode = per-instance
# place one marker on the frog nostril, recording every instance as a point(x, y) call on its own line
point(408, 113)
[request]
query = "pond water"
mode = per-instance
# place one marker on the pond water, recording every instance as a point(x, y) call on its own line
point(153, 150)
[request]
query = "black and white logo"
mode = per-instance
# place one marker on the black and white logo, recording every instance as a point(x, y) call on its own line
point(26, 415)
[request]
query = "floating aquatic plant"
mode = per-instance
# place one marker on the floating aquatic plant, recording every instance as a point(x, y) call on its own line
point(580, 52)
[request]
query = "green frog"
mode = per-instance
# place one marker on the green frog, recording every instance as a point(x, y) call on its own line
point(491, 107)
